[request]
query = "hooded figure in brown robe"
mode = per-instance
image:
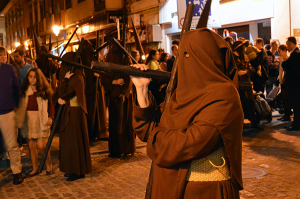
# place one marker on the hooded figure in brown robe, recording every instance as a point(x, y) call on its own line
point(203, 117)
point(95, 96)
point(75, 157)
point(49, 68)
point(121, 135)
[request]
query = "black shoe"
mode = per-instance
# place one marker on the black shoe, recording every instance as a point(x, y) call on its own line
point(48, 173)
point(112, 155)
point(68, 175)
point(279, 119)
point(285, 119)
point(257, 127)
point(31, 175)
point(289, 126)
point(18, 179)
point(292, 128)
point(74, 177)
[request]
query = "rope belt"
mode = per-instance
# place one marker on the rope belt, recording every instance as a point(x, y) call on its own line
point(74, 102)
point(213, 167)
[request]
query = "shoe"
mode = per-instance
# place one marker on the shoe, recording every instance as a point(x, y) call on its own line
point(49, 173)
point(111, 155)
point(68, 175)
point(18, 179)
point(285, 119)
point(31, 175)
point(286, 127)
point(74, 177)
point(292, 128)
point(257, 127)
point(279, 119)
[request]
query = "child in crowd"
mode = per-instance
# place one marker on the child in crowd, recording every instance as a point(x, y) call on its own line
point(35, 116)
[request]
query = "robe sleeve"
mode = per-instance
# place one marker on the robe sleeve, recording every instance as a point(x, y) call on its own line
point(51, 109)
point(145, 119)
point(64, 91)
point(169, 147)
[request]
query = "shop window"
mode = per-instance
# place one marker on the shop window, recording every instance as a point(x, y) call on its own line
point(68, 4)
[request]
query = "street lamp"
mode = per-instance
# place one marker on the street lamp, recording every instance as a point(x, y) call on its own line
point(17, 44)
point(56, 30)
point(85, 29)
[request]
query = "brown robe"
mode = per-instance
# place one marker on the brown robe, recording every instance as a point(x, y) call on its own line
point(49, 68)
point(95, 96)
point(75, 157)
point(203, 114)
point(96, 108)
point(121, 136)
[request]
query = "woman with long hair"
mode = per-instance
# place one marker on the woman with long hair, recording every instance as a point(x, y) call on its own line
point(163, 61)
point(152, 60)
point(35, 116)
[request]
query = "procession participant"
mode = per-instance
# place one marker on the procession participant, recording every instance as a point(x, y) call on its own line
point(119, 88)
point(48, 67)
point(35, 116)
point(95, 96)
point(75, 157)
point(196, 143)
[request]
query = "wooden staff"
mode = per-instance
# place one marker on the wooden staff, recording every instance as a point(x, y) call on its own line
point(57, 118)
point(69, 41)
point(138, 43)
point(123, 50)
point(100, 48)
point(186, 27)
point(36, 42)
point(172, 83)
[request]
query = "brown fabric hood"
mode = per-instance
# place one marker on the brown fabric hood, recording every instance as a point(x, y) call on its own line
point(205, 72)
point(76, 81)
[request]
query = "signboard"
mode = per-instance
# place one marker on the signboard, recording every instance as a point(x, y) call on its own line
point(112, 16)
point(297, 32)
point(214, 14)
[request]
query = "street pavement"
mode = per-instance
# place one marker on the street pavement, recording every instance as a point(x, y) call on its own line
point(274, 151)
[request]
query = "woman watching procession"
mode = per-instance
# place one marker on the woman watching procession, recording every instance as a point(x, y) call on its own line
point(35, 115)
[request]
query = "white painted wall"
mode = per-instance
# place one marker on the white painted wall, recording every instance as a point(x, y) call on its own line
point(246, 10)
point(280, 27)
point(295, 15)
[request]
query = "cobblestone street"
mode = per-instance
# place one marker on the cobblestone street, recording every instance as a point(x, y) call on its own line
point(274, 150)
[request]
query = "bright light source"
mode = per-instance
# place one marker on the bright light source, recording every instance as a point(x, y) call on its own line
point(56, 30)
point(9, 51)
point(26, 43)
point(85, 29)
point(17, 44)
point(143, 57)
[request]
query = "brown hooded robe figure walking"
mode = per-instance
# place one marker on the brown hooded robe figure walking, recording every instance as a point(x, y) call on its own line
point(121, 136)
point(48, 67)
point(196, 143)
point(96, 105)
point(75, 157)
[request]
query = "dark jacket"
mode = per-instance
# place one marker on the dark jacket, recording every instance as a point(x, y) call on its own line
point(9, 88)
point(292, 69)
point(170, 63)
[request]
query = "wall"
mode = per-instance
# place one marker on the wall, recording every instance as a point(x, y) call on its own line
point(2, 30)
point(246, 10)
point(79, 11)
point(280, 22)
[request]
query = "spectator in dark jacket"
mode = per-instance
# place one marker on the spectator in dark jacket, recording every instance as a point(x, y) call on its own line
point(292, 81)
